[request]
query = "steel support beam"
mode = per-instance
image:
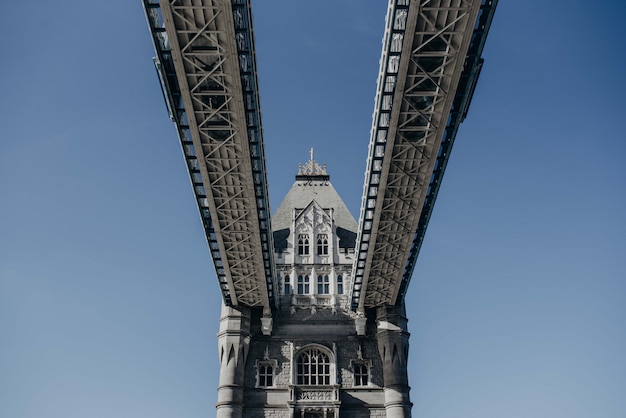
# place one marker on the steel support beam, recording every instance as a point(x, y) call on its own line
point(206, 65)
point(429, 67)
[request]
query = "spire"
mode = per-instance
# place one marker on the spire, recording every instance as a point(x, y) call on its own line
point(312, 170)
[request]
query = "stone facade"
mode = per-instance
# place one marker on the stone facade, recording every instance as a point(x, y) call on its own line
point(321, 359)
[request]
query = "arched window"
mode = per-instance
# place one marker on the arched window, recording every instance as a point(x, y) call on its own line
point(322, 244)
point(303, 244)
point(303, 285)
point(323, 284)
point(313, 367)
point(287, 284)
point(340, 285)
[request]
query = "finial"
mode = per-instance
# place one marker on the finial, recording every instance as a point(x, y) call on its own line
point(311, 168)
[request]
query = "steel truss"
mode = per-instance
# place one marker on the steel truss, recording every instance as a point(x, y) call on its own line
point(429, 67)
point(206, 65)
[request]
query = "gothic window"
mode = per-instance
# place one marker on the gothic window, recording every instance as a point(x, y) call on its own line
point(303, 285)
point(265, 370)
point(361, 373)
point(322, 244)
point(313, 367)
point(323, 284)
point(340, 285)
point(303, 244)
point(287, 284)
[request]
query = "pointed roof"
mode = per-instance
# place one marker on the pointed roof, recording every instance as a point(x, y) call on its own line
point(313, 184)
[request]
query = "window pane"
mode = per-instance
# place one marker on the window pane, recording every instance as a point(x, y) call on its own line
point(266, 374)
point(303, 244)
point(313, 367)
point(322, 244)
point(361, 374)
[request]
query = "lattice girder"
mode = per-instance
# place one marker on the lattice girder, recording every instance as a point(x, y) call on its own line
point(424, 51)
point(212, 96)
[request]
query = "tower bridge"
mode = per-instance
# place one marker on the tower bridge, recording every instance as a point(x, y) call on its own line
point(313, 319)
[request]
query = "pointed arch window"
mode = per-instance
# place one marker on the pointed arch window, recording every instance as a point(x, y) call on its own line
point(322, 244)
point(303, 244)
point(323, 284)
point(303, 284)
point(287, 284)
point(313, 367)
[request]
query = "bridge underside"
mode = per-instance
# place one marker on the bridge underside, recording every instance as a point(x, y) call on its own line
point(206, 64)
point(429, 67)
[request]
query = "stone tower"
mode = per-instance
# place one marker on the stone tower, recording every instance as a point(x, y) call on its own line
point(314, 356)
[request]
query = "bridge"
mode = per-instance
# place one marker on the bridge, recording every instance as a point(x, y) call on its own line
point(206, 65)
point(430, 63)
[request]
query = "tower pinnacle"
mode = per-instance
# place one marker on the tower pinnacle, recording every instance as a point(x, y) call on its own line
point(312, 170)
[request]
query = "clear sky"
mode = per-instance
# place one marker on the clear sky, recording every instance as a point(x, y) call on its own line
point(108, 300)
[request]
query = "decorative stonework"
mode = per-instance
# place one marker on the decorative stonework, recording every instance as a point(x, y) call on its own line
point(312, 168)
point(315, 395)
point(314, 265)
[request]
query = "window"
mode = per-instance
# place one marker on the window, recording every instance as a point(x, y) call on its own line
point(287, 284)
point(323, 284)
point(313, 367)
point(361, 374)
point(303, 244)
point(340, 285)
point(266, 374)
point(303, 285)
point(322, 244)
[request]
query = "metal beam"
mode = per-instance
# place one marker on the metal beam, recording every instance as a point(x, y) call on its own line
point(206, 65)
point(429, 66)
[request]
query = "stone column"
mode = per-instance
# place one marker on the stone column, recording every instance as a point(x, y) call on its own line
point(393, 345)
point(233, 344)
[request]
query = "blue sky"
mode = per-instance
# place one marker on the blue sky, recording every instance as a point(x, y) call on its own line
point(108, 300)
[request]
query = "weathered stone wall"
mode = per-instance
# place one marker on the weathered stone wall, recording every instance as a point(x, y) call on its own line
point(320, 316)
point(335, 331)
